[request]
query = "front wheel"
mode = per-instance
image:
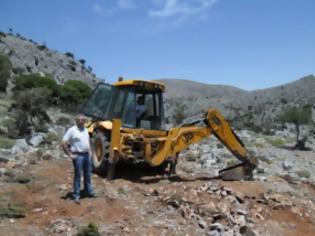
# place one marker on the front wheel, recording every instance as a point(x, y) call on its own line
point(100, 152)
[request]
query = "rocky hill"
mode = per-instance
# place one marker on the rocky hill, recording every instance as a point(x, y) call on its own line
point(177, 88)
point(29, 57)
point(256, 107)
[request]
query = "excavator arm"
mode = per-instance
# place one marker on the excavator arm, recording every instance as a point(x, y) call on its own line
point(223, 132)
point(181, 137)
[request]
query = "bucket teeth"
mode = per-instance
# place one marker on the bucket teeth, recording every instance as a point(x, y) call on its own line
point(241, 171)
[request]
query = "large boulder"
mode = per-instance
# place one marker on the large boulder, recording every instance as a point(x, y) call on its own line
point(37, 139)
point(20, 146)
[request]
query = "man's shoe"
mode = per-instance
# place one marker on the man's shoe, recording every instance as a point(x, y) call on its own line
point(91, 195)
point(77, 200)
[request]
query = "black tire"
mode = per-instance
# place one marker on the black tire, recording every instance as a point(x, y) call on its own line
point(100, 153)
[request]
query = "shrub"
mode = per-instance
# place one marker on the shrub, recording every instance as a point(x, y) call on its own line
point(18, 70)
point(6, 143)
point(64, 121)
point(75, 91)
point(42, 47)
point(84, 90)
point(69, 54)
point(2, 34)
point(82, 61)
point(276, 142)
point(5, 68)
point(303, 173)
point(12, 210)
point(51, 137)
point(90, 230)
point(69, 95)
point(283, 101)
point(29, 111)
point(259, 145)
point(36, 81)
point(179, 115)
point(297, 116)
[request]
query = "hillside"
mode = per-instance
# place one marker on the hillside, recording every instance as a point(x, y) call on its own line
point(177, 88)
point(242, 107)
point(29, 57)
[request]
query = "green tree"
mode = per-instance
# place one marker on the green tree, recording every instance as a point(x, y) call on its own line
point(82, 61)
point(74, 92)
point(179, 114)
point(5, 68)
point(69, 54)
point(37, 81)
point(297, 116)
point(29, 111)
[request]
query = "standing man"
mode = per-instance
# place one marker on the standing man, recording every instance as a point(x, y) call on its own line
point(76, 144)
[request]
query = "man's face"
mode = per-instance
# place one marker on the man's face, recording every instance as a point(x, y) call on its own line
point(80, 121)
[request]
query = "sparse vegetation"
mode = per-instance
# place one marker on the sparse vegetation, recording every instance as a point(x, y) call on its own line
point(259, 145)
point(12, 211)
point(303, 173)
point(297, 116)
point(2, 34)
point(29, 111)
point(34, 81)
point(69, 54)
point(82, 61)
point(179, 114)
point(276, 142)
point(63, 121)
point(5, 68)
point(42, 47)
point(74, 92)
point(90, 230)
point(6, 143)
point(51, 137)
point(10, 208)
point(18, 70)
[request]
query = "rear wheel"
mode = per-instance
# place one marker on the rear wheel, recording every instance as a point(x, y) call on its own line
point(100, 146)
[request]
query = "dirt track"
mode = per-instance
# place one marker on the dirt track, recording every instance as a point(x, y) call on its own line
point(137, 206)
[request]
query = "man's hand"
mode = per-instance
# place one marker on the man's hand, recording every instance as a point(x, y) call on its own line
point(72, 156)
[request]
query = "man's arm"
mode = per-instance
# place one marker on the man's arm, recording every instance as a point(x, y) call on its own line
point(65, 146)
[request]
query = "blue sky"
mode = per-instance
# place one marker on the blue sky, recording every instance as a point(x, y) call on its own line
point(250, 44)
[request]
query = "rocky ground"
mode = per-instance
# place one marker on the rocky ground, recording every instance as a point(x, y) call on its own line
point(36, 183)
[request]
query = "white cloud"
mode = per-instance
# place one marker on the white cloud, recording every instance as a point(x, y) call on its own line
point(181, 8)
point(126, 4)
point(97, 8)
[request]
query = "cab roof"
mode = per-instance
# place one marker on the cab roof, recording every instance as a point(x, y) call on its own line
point(150, 85)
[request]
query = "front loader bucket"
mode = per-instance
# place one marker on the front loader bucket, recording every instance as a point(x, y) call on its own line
point(242, 171)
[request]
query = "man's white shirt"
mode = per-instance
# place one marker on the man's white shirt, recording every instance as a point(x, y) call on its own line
point(78, 138)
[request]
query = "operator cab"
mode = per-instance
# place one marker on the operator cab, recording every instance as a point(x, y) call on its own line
point(138, 103)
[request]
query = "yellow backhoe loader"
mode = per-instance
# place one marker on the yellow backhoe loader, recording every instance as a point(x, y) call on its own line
point(127, 122)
